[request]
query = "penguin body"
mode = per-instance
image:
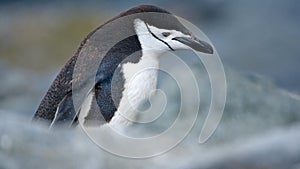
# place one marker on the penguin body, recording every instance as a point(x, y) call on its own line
point(126, 75)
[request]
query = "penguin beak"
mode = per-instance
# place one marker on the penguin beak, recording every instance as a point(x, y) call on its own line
point(195, 44)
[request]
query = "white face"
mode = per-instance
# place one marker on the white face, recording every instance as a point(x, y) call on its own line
point(153, 38)
point(157, 39)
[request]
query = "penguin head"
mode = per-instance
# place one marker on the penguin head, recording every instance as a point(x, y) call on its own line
point(158, 29)
point(155, 38)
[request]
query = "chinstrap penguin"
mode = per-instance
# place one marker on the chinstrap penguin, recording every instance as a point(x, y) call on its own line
point(128, 68)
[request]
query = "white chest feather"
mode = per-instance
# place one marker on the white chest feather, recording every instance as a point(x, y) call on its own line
point(140, 82)
point(140, 79)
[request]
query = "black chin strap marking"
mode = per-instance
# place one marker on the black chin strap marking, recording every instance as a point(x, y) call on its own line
point(158, 38)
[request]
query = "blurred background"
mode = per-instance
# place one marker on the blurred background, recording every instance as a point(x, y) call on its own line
point(258, 42)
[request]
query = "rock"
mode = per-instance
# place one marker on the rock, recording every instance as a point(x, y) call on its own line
point(260, 123)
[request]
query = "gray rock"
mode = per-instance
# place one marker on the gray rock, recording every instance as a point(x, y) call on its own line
point(259, 129)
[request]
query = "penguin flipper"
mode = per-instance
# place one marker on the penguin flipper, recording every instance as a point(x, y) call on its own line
point(65, 113)
point(93, 117)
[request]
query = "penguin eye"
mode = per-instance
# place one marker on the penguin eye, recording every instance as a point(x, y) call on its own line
point(166, 34)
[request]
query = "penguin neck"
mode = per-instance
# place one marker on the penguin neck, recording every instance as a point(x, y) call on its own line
point(150, 58)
